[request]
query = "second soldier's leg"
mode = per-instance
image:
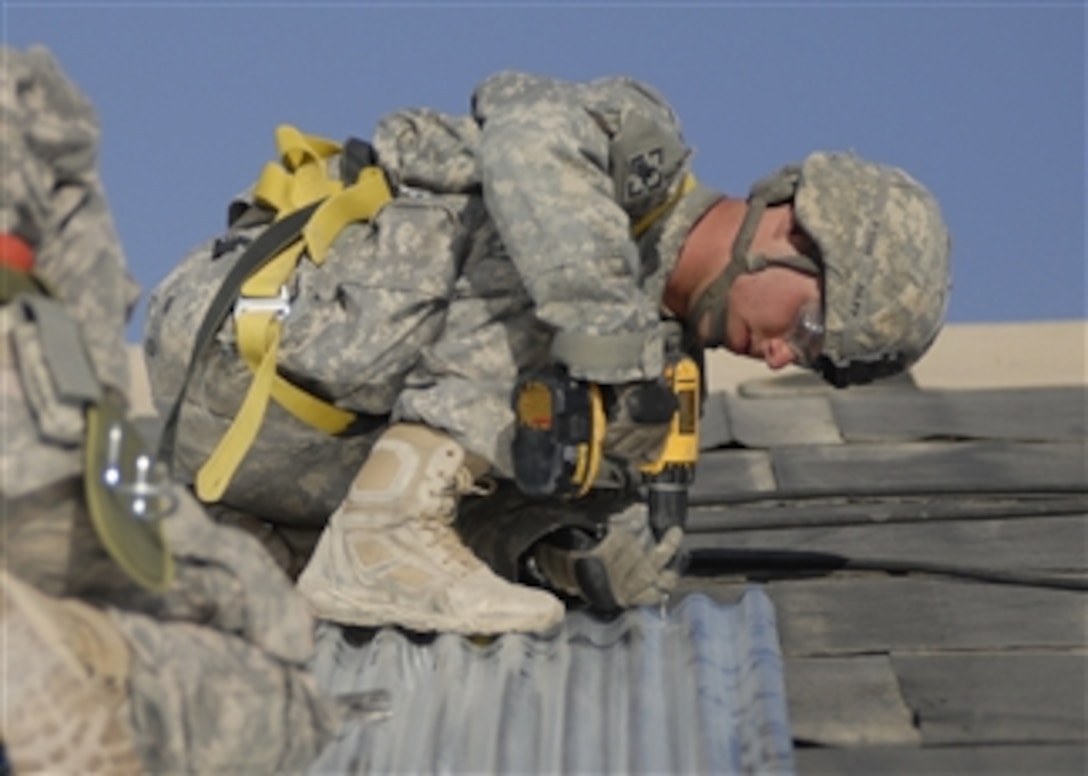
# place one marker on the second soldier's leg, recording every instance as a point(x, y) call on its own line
point(206, 702)
point(93, 691)
point(65, 667)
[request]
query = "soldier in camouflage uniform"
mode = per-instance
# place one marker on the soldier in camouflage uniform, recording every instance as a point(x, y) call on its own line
point(559, 222)
point(135, 639)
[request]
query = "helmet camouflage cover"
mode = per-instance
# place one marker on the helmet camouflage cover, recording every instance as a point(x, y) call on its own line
point(885, 260)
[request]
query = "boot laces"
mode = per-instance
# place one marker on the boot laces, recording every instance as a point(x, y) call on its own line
point(451, 552)
point(462, 484)
point(440, 532)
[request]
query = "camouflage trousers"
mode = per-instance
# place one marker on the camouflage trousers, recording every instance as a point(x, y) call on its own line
point(217, 680)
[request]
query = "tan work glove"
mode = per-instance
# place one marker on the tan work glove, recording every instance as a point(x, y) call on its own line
point(639, 417)
point(626, 568)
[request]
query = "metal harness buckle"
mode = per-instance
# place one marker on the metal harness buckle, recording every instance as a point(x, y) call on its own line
point(280, 305)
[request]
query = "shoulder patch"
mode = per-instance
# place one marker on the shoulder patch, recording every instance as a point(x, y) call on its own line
point(645, 173)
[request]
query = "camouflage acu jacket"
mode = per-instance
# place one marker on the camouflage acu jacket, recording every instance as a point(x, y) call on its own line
point(567, 170)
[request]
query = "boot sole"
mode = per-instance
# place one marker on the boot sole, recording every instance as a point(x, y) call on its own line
point(328, 607)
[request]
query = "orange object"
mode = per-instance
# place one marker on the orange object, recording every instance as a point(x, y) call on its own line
point(15, 253)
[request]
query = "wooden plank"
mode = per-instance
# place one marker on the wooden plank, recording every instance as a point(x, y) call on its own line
point(799, 420)
point(997, 698)
point(855, 615)
point(1056, 543)
point(1019, 760)
point(1008, 702)
point(733, 471)
point(714, 428)
point(1050, 414)
point(761, 423)
point(847, 702)
point(861, 614)
point(931, 465)
point(771, 513)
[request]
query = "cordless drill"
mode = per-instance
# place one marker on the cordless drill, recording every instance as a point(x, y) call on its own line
point(559, 439)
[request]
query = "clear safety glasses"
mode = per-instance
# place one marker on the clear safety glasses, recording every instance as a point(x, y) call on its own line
point(806, 339)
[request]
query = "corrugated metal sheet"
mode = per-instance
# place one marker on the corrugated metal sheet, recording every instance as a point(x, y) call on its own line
point(697, 691)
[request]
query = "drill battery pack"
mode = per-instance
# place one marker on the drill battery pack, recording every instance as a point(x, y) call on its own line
point(560, 425)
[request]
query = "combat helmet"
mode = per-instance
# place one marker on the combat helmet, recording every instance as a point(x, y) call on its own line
point(883, 259)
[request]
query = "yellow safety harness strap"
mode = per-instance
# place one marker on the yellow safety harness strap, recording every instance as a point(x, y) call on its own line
point(359, 202)
point(267, 245)
point(214, 476)
point(302, 181)
point(658, 212)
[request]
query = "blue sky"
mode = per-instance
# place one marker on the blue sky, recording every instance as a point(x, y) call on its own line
point(983, 102)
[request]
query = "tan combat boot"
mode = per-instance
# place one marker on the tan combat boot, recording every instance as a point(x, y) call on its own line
point(390, 556)
point(64, 703)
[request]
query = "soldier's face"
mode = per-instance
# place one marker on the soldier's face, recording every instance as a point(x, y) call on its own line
point(765, 310)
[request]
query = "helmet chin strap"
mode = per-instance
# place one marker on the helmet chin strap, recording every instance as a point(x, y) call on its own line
point(713, 302)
